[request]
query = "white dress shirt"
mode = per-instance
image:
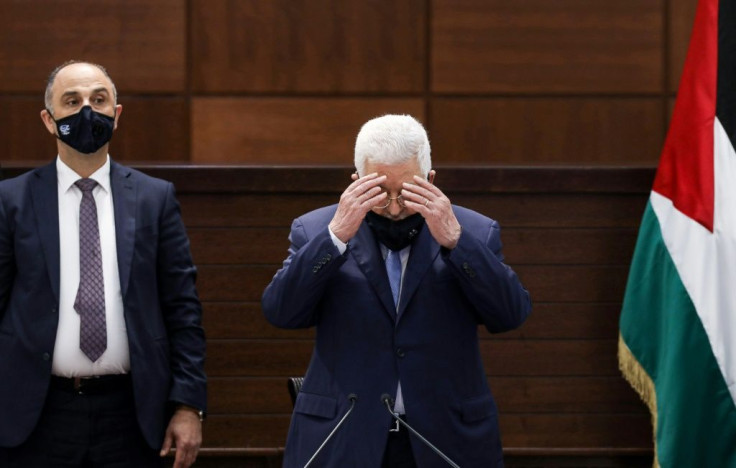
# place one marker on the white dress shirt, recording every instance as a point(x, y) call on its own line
point(404, 255)
point(69, 360)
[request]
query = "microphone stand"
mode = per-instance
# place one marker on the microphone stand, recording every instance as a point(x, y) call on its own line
point(352, 397)
point(387, 401)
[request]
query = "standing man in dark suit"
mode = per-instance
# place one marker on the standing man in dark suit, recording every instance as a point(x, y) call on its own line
point(101, 344)
point(396, 279)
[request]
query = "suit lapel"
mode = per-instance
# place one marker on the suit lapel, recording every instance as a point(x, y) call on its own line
point(423, 253)
point(45, 198)
point(124, 200)
point(365, 250)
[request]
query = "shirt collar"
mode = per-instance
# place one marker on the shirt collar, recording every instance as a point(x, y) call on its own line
point(66, 175)
point(403, 253)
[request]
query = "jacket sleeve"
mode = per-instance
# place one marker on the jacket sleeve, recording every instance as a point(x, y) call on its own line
point(500, 301)
point(291, 299)
point(181, 308)
point(7, 262)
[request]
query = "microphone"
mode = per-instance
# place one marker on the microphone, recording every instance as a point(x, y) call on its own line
point(386, 400)
point(352, 397)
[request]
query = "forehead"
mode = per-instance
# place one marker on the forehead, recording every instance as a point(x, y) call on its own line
point(395, 173)
point(80, 77)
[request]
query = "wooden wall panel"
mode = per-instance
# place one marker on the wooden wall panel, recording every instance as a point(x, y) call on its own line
point(242, 283)
point(224, 245)
point(514, 394)
point(564, 82)
point(141, 43)
point(257, 358)
point(569, 246)
point(512, 211)
point(512, 357)
point(256, 210)
point(23, 136)
point(569, 234)
point(308, 46)
point(538, 46)
point(547, 130)
point(681, 18)
point(557, 395)
point(550, 210)
point(568, 320)
point(285, 131)
point(239, 245)
point(244, 320)
point(266, 430)
point(513, 458)
point(576, 430)
point(150, 129)
point(528, 430)
point(593, 283)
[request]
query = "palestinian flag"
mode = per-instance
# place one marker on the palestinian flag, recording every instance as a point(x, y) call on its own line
point(677, 345)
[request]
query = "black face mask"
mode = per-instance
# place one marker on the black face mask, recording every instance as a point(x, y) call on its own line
point(395, 234)
point(86, 131)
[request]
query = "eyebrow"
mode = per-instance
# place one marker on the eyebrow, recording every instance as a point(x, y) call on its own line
point(96, 90)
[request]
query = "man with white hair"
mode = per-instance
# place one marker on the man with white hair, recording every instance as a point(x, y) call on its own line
point(396, 279)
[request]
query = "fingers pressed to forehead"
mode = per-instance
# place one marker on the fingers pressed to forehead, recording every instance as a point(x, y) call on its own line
point(372, 200)
point(427, 185)
point(369, 193)
point(366, 182)
point(415, 191)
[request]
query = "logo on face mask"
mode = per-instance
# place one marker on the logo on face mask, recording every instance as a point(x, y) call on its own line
point(86, 131)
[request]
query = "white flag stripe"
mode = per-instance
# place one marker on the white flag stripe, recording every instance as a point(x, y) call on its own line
point(705, 261)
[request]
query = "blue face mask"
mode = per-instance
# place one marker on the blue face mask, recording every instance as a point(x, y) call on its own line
point(86, 131)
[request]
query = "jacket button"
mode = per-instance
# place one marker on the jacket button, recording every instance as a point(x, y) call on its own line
point(400, 352)
point(46, 356)
point(469, 271)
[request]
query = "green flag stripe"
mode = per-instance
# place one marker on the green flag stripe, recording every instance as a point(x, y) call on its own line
point(696, 420)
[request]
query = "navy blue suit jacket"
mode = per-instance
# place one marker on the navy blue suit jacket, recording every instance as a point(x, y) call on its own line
point(157, 279)
point(361, 348)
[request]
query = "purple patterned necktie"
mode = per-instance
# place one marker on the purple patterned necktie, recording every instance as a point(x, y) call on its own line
point(90, 301)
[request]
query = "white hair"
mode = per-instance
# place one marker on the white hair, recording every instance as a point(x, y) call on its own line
point(392, 139)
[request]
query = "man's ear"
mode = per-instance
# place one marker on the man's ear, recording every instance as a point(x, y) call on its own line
point(48, 121)
point(118, 111)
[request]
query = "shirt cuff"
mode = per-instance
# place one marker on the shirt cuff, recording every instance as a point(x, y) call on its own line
point(341, 246)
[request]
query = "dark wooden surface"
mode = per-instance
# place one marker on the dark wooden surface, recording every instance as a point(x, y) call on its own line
point(308, 46)
point(538, 46)
point(568, 232)
point(141, 43)
point(548, 130)
point(302, 130)
point(528, 82)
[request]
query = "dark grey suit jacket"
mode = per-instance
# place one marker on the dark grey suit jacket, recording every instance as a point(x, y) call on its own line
point(157, 279)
